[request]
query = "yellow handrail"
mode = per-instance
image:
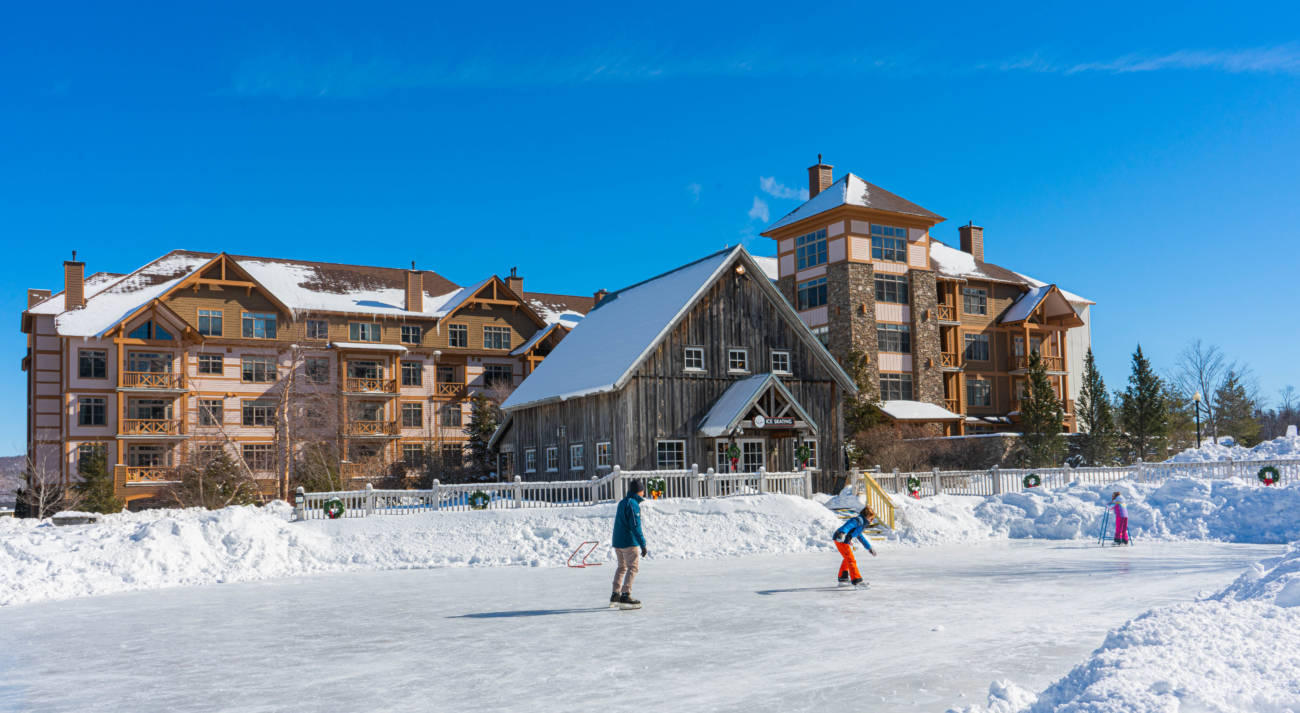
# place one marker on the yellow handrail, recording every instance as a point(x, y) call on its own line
point(877, 500)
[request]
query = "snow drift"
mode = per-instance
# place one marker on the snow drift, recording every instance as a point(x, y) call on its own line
point(1287, 446)
point(167, 548)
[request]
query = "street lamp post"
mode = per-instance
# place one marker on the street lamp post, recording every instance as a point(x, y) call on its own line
point(1196, 401)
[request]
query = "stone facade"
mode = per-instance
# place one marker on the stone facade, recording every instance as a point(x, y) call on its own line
point(926, 375)
point(852, 299)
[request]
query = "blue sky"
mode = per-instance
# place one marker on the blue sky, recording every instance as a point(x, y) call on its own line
point(1144, 156)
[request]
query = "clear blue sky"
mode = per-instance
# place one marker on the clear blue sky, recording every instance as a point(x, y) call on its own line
point(1145, 157)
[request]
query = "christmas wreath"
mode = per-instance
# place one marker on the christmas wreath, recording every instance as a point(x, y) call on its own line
point(1032, 481)
point(1269, 475)
point(914, 486)
point(733, 454)
point(656, 487)
point(333, 508)
point(804, 454)
point(479, 500)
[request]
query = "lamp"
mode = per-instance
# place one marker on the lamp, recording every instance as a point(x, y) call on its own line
point(740, 270)
point(1196, 402)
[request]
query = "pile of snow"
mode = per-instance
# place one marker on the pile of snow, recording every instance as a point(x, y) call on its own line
point(167, 548)
point(1287, 446)
point(1229, 510)
point(1238, 650)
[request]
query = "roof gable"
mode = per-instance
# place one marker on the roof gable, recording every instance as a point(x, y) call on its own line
point(730, 408)
point(853, 191)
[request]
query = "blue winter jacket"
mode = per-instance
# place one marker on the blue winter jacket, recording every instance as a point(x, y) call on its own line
point(627, 523)
point(852, 528)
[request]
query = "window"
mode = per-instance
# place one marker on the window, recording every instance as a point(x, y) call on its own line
point(975, 300)
point(722, 458)
point(364, 369)
point(150, 330)
point(259, 456)
point(86, 451)
point(91, 411)
point(977, 347)
point(811, 293)
point(451, 415)
point(891, 288)
point(92, 364)
point(751, 456)
point(576, 457)
point(149, 409)
point(412, 373)
point(823, 334)
point(694, 359)
point(318, 329)
point(888, 243)
point(896, 387)
point(257, 369)
point(810, 249)
point(738, 360)
point(211, 412)
point(148, 455)
point(363, 331)
point(412, 333)
point(781, 362)
point(317, 370)
point(552, 458)
point(457, 335)
point(530, 460)
point(811, 443)
point(453, 455)
point(496, 337)
point(258, 413)
point(498, 375)
point(210, 322)
point(367, 411)
point(894, 338)
point(315, 417)
point(413, 415)
point(670, 455)
point(211, 364)
point(446, 374)
point(413, 455)
point(149, 362)
point(979, 392)
point(259, 325)
point(602, 454)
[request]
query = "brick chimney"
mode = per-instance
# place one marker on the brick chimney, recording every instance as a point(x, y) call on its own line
point(35, 297)
point(972, 240)
point(600, 295)
point(819, 177)
point(74, 283)
point(414, 290)
point(515, 282)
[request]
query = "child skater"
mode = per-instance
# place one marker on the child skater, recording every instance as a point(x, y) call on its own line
point(1121, 519)
point(843, 537)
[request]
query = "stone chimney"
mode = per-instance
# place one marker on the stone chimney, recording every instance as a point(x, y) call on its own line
point(972, 240)
point(35, 297)
point(515, 282)
point(74, 283)
point(414, 290)
point(600, 295)
point(819, 177)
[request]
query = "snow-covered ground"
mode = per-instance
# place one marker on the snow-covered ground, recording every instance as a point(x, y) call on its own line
point(751, 633)
point(1287, 446)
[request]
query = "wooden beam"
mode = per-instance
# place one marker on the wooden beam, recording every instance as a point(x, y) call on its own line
point(211, 282)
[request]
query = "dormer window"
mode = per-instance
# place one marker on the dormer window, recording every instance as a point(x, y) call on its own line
point(810, 249)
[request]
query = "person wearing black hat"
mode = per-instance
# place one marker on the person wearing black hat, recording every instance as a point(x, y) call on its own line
point(627, 540)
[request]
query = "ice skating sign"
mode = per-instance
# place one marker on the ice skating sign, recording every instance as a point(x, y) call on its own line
point(761, 421)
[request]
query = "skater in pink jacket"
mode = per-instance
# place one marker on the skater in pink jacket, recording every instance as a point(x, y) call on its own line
point(1121, 519)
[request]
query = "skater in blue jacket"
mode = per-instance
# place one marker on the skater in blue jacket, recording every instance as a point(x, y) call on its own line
point(844, 536)
point(627, 539)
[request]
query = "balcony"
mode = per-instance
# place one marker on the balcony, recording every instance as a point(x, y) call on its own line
point(1020, 362)
point(953, 405)
point(372, 429)
point(145, 475)
point(366, 385)
point(151, 427)
point(950, 360)
point(159, 380)
point(945, 312)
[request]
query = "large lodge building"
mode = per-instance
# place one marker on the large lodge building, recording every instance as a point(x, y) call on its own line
point(201, 350)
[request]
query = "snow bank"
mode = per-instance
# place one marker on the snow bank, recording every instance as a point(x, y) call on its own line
point(167, 548)
point(1287, 446)
point(1238, 650)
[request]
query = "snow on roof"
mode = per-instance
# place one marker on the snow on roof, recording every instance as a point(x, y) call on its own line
point(1070, 296)
point(556, 314)
point(114, 301)
point(731, 406)
point(852, 190)
point(538, 336)
point(1025, 304)
point(769, 266)
point(303, 287)
point(902, 410)
point(368, 346)
point(94, 285)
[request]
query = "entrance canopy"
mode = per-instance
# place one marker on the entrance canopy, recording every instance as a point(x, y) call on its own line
point(757, 403)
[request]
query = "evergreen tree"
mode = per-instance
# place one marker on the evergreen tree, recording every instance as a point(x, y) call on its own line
point(1042, 420)
point(861, 413)
point(483, 419)
point(1143, 410)
point(1235, 415)
point(214, 480)
point(96, 486)
point(1096, 417)
point(1181, 419)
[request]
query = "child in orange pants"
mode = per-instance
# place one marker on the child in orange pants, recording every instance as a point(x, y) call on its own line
point(844, 536)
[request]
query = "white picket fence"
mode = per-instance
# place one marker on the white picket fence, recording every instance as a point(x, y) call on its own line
point(996, 480)
point(519, 493)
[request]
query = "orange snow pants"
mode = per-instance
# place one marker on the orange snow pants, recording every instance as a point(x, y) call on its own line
point(850, 563)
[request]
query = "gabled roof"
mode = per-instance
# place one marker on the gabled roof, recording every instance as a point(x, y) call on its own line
point(947, 261)
point(1046, 299)
point(730, 408)
point(537, 337)
point(604, 349)
point(852, 190)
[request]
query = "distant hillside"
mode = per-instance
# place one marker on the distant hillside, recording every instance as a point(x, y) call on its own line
point(11, 468)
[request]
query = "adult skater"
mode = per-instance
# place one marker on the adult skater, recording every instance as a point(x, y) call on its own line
point(1121, 519)
point(627, 539)
point(843, 537)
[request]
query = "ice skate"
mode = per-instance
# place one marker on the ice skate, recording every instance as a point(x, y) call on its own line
point(627, 602)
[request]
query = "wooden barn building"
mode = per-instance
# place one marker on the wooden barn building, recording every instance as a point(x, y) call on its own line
point(674, 371)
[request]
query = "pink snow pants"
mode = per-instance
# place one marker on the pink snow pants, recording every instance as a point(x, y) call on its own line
point(1121, 529)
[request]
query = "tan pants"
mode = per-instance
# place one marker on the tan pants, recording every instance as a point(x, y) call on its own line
point(629, 559)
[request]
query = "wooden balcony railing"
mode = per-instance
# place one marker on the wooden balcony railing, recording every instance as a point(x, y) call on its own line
point(450, 389)
point(152, 380)
point(945, 312)
point(146, 474)
point(151, 426)
point(372, 428)
point(950, 359)
point(1051, 363)
point(358, 385)
point(953, 405)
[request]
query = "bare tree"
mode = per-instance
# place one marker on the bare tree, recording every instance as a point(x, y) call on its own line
point(44, 490)
point(1201, 368)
